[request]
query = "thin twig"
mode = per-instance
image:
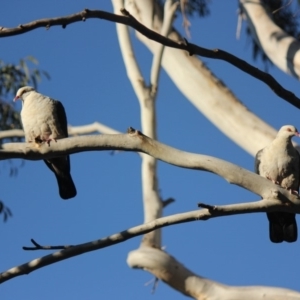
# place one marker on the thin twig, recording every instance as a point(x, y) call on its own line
point(39, 247)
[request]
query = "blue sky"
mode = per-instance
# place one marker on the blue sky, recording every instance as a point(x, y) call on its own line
point(88, 76)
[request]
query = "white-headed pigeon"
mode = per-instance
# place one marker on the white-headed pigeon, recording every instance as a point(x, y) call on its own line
point(280, 162)
point(44, 120)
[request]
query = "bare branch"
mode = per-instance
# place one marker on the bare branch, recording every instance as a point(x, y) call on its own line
point(146, 97)
point(95, 127)
point(137, 142)
point(62, 21)
point(280, 47)
point(39, 247)
point(191, 48)
point(6, 134)
point(204, 214)
point(168, 269)
point(169, 13)
point(206, 92)
point(167, 202)
point(191, 284)
point(207, 206)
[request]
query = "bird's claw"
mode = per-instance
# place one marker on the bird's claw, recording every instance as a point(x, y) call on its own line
point(293, 192)
point(49, 140)
point(274, 181)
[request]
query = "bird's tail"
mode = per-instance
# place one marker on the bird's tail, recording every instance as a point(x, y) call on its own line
point(66, 186)
point(283, 227)
point(60, 166)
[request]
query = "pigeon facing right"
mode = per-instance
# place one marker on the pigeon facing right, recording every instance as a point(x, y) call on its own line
point(280, 162)
point(44, 120)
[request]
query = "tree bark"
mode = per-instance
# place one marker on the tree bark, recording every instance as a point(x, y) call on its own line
point(281, 48)
point(206, 92)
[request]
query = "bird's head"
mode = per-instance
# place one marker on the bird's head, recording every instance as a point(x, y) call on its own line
point(22, 91)
point(288, 131)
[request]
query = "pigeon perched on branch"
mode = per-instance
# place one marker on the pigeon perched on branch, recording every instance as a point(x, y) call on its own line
point(44, 121)
point(280, 163)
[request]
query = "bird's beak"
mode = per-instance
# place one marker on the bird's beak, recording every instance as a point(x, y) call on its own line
point(297, 134)
point(16, 98)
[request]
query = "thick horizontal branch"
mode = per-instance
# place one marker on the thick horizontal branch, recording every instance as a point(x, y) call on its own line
point(131, 21)
point(137, 142)
point(204, 214)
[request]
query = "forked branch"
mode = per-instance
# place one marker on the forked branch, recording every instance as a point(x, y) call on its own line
point(135, 141)
point(71, 251)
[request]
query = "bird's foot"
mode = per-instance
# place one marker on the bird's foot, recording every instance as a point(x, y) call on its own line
point(274, 181)
point(37, 142)
point(293, 192)
point(49, 140)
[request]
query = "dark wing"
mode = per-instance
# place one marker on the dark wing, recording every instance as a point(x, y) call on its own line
point(61, 117)
point(298, 183)
point(257, 161)
point(60, 166)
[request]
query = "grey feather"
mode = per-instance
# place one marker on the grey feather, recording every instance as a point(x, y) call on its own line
point(44, 121)
point(280, 162)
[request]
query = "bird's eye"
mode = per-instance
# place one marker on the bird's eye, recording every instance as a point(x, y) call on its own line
point(289, 129)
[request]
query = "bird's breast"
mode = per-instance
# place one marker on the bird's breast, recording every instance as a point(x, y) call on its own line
point(38, 119)
point(281, 167)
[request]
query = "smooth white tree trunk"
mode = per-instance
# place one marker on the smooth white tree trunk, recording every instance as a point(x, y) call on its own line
point(219, 105)
point(206, 92)
point(281, 48)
